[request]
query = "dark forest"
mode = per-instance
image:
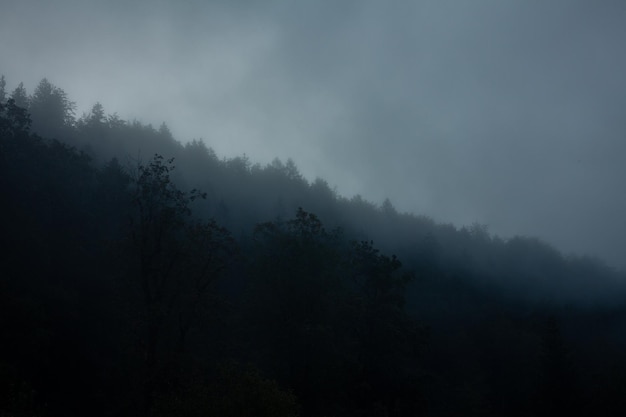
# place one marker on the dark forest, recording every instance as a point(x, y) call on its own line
point(142, 276)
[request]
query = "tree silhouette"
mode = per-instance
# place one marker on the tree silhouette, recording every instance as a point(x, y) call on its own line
point(3, 91)
point(13, 119)
point(20, 96)
point(96, 118)
point(52, 112)
point(176, 263)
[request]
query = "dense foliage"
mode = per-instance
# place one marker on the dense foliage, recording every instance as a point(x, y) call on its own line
point(257, 293)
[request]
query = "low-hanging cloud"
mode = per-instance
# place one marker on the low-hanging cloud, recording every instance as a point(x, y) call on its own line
point(506, 113)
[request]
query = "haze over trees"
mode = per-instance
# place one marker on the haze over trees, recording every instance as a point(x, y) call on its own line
point(143, 276)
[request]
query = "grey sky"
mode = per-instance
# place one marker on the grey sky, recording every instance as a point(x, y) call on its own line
point(509, 113)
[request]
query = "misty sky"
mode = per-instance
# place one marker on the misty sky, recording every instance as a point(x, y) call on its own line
point(507, 113)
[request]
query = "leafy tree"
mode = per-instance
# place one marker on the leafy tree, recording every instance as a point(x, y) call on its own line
point(20, 96)
point(292, 172)
point(95, 128)
point(165, 132)
point(294, 307)
point(333, 317)
point(115, 122)
point(176, 264)
point(52, 112)
point(3, 91)
point(389, 340)
point(13, 119)
point(377, 277)
point(388, 209)
point(95, 118)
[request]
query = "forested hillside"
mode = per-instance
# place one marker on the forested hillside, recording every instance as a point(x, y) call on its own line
point(144, 276)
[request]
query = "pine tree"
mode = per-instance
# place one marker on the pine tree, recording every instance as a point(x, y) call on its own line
point(20, 96)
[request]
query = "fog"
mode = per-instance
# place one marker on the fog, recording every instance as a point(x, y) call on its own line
point(510, 114)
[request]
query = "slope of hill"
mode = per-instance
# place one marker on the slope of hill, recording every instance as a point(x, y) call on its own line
point(146, 276)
